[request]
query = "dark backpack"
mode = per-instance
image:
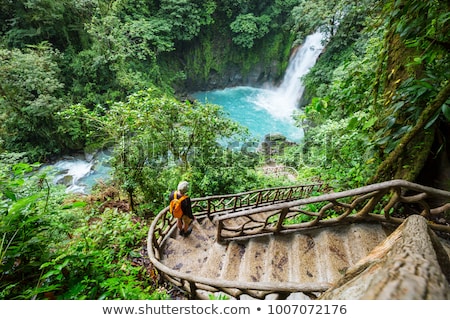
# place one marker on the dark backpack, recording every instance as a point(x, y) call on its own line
point(175, 205)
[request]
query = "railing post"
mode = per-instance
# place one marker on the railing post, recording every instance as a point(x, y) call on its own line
point(193, 289)
point(219, 232)
point(258, 200)
point(283, 213)
point(289, 194)
point(208, 209)
point(302, 192)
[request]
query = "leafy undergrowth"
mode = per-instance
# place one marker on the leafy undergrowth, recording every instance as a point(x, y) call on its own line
point(102, 258)
point(53, 247)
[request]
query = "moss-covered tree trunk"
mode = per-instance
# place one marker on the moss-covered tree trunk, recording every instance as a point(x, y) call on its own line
point(408, 158)
point(412, 44)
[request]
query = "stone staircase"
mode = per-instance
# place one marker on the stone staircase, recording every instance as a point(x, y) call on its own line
point(259, 245)
point(315, 257)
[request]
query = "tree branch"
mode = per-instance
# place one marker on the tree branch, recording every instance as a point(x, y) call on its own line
point(386, 168)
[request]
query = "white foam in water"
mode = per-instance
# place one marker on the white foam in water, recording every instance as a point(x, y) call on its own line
point(76, 169)
point(281, 101)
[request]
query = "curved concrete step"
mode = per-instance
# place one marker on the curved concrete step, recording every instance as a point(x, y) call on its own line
point(188, 254)
point(232, 261)
point(316, 256)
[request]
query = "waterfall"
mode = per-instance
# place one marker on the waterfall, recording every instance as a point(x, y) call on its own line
point(283, 100)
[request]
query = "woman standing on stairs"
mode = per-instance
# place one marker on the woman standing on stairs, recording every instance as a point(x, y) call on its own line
point(184, 222)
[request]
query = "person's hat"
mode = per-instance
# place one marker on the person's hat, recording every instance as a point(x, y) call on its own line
point(183, 187)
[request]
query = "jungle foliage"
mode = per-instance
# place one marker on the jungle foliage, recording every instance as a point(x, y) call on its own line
point(82, 75)
point(57, 248)
point(379, 104)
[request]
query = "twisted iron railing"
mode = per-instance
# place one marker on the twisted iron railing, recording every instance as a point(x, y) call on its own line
point(289, 209)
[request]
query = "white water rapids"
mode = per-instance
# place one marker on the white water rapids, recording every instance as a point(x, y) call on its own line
point(80, 173)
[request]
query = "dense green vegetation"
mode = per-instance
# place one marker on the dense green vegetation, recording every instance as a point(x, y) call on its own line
point(85, 75)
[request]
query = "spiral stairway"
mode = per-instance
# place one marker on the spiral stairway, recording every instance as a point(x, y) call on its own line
point(284, 243)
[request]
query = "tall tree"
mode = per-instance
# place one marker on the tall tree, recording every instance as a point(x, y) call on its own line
point(247, 28)
point(186, 17)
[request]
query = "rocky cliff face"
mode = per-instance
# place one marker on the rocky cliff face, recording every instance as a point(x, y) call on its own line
point(234, 76)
